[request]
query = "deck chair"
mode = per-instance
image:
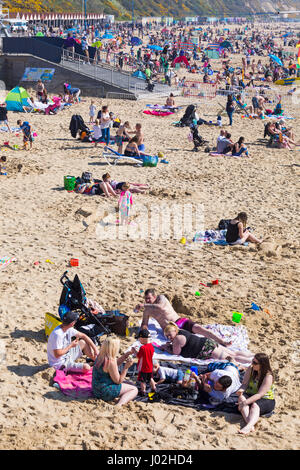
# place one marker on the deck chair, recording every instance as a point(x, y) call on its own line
point(116, 157)
point(239, 107)
point(222, 110)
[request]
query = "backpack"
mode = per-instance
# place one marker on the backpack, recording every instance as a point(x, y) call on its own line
point(86, 177)
point(223, 224)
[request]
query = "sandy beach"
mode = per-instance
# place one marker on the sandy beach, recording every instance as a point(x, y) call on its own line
point(41, 221)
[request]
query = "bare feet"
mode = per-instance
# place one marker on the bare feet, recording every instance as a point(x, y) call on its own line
point(246, 430)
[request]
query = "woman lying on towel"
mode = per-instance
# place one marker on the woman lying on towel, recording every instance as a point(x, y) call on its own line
point(237, 233)
point(186, 344)
point(101, 189)
point(118, 187)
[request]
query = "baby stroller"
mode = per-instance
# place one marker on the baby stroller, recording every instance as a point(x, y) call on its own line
point(197, 139)
point(150, 85)
point(73, 297)
point(189, 116)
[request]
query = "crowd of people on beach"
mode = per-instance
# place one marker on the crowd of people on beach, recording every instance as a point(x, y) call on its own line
point(232, 375)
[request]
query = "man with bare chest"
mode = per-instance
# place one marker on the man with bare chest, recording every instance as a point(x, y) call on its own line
point(159, 308)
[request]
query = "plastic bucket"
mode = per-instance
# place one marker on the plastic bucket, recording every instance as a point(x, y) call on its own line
point(69, 183)
point(150, 161)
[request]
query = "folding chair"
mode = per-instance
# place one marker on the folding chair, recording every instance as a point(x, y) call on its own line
point(116, 157)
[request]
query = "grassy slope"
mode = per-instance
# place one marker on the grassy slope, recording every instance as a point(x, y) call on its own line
point(123, 8)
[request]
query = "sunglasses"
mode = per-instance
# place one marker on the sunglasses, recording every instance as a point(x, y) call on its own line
point(255, 363)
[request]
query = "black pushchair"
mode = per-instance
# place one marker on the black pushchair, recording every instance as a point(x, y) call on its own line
point(189, 116)
point(150, 85)
point(197, 139)
point(73, 297)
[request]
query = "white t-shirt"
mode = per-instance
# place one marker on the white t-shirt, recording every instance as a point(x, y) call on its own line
point(233, 373)
point(105, 124)
point(222, 143)
point(59, 339)
point(167, 373)
point(97, 132)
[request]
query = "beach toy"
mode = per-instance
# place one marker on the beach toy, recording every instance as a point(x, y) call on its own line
point(215, 283)
point(236, 317)
point(141, 291)
point(151, 395)
point(183, 241)
point(74, 262)
point(254, 306)
point(34, 134)
point(49, 261)
point(69, 182)
point(36, 263)
point(203, 284)
point(197, 293)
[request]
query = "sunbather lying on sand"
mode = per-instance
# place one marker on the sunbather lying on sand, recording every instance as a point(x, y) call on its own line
point(117, 187)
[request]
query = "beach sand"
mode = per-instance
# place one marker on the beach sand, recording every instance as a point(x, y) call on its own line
point(42, 221)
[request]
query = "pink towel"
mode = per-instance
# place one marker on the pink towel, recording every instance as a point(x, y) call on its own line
point(157, 113)
point(75, 385)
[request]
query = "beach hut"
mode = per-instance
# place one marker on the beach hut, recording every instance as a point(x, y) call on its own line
point(16, 99)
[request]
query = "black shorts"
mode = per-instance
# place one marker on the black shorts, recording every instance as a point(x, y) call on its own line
point(265, 405)
point(145, 377)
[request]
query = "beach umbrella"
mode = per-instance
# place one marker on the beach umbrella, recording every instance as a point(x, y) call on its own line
point(107, 36)
point(155, 48)
point(226, 44)
point(135, 41)
point(276, 59)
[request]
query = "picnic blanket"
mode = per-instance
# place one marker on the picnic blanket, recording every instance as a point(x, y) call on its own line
point(237, 334)
point(13, 129)
point(216, 154)
point(217, 237)
point(6, 260)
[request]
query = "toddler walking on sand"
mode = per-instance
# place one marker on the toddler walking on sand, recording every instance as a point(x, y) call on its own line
point(92, 112)
point(125, 203)
point(145, 361)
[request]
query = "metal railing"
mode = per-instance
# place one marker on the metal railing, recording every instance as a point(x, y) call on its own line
point(98, 71)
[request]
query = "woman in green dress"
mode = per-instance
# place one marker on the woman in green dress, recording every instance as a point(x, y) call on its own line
point(107, 382)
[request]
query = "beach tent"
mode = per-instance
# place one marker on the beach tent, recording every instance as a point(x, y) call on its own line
point(16, 99)
point(212, 53)
point(276, 59)
point(139, 74)
point(135, 41)
point(226, 45)
point(182, 58)
point(155, 48)
point(107, 36)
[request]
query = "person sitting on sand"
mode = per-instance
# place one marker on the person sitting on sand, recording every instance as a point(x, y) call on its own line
point(66, 345)
point(107, 382)
point(237, 234)
point(184, 343)
point(256, 395)
point(170, 102)
point(224, 142)
point(159, 308)
point(239, 148)
point(132, 149)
